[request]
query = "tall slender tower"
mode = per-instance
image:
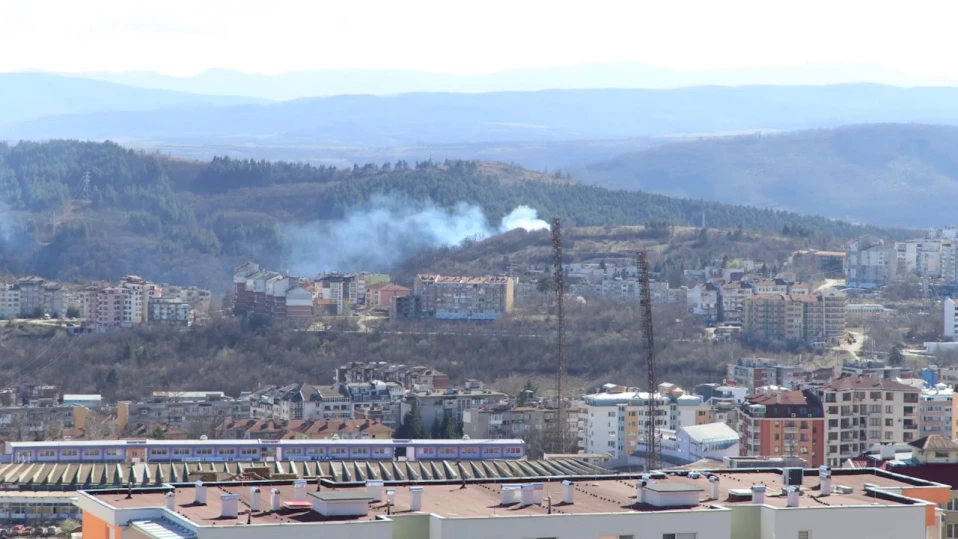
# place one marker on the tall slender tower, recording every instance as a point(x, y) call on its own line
point(560, 427)
point(645, 302)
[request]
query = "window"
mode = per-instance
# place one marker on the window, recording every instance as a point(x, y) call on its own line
point(112, 452)
point(181, 451)
point(951, 531)
point(91, 452)
point(204, 451)
point(804, 534)
point(293, 451)
point(47, 453)
point(227, 451)
point(249, 451)
point(616, 537)
point(159, 452)
point(678, 536)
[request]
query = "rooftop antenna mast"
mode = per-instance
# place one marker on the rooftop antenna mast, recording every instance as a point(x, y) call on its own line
point(645, 302)
point(560, 427)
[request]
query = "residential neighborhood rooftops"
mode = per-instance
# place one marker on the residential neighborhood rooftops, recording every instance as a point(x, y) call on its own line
point(934, 442)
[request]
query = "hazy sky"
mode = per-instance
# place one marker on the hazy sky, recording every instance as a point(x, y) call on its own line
point(471, 37)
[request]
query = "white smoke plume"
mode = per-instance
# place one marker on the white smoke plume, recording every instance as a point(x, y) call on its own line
point(385, 232)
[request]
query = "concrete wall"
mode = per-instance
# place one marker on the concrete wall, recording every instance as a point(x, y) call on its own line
point(715, 524)
point(898, 521)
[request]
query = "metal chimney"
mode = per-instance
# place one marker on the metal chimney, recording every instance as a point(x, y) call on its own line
point(568, 492)
point(825, 478)
point(171, 501)
point(793, 495)
point(713, 487)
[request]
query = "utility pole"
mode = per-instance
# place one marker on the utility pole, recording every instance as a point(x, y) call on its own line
point(645, 302)
point(560, 427)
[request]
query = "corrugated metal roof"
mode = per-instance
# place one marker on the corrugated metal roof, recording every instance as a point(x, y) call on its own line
point(53, 476)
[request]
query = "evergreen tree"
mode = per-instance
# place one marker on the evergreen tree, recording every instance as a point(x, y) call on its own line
point(449, 428)
point(896, 358)
point(436, 431)
point(411, 427)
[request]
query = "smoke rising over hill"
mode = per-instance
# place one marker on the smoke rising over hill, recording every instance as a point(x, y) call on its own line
point(386, 231)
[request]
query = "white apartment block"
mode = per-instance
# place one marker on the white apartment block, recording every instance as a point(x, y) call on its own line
point(170, 311)
point(950, 319)
point(935, 411)
point(613, 422)
point(869, 263)
point(863, 411)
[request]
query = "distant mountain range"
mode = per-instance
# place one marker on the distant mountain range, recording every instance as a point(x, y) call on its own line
point(26, 96)
point(896, 175)
point(287, 86)
point(505, 117)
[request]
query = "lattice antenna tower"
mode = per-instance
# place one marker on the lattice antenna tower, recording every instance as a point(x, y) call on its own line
point(645, 303)
point(560, 426)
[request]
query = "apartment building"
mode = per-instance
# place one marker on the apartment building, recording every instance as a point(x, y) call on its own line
point(862, 411)
point(506, 422)
point(137, 293)
point(434, 404)
point(615, 420)
point(9, 301)
point(935, 411)
point(464, 298)
point(270, 293)
point(199, 299)
point(382, 295)
point(40, 296)
point(732, 296)
point(752, 373)
point(375, 399)
point(788, 423)
point(170, 311)
point(184, 410)
point(950, 319)
point(408, 377)
point(814, 318)
point(38, 422)
point(869, 263)
point(703, 300)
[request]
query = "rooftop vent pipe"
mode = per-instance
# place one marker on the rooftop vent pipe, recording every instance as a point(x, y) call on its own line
point(825, 479)
point(230, 505)
point(171, 501)
point(538, 491)
point(713, 487)
point(299, 490)
point(758, 494)
point(274, 501)
point(200, 491)
point(568, 492)
point(374, 489)
point(254, 499)
point(415, 498)
point(793, 494)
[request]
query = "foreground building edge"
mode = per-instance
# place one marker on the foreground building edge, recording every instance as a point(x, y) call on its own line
point(892, 506)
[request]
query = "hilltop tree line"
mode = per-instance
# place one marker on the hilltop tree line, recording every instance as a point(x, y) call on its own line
point(156, 216)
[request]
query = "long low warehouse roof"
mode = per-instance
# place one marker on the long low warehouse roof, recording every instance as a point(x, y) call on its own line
point(59, 476)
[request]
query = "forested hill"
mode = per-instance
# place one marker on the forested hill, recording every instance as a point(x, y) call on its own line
point(893, 174)
point(186, 221)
